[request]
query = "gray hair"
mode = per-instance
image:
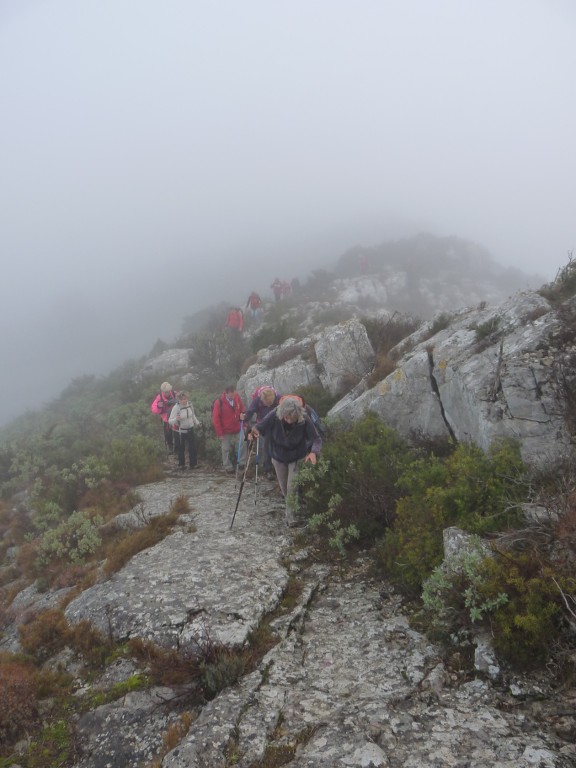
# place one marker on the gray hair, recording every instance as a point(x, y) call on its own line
point(290, 407)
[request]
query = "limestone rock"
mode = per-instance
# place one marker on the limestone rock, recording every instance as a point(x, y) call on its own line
point(491, 373)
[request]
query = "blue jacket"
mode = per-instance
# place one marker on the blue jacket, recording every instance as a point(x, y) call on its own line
point(290, 442)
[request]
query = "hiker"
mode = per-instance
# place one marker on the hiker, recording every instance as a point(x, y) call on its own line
point(264, 400)
point(226, 419)
point(277, 288)
point(162, 405)
point(293, 437)
point(254, 304)
point(285, 289)
point(183, 419)
point(235, 322)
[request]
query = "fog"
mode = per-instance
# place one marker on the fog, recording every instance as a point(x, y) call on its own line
point(158, 157)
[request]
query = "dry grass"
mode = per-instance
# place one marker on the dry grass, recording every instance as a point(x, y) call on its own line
point(120, 551)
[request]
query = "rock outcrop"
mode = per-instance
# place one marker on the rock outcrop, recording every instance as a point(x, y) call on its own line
point(490, 373)
point(333, 359)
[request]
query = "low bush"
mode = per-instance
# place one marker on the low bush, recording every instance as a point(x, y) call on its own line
point(352, 492)
point(273, 334)
point(73, 539)
point(18, 700)
point(486, 331)
point(479, 492)
point(564, 284)
point(534, 612)
point(384, 335)
point(135, 460)
point(454, 598)
point(45, 634)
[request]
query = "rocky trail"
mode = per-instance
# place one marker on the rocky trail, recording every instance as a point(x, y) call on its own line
point(348, 684)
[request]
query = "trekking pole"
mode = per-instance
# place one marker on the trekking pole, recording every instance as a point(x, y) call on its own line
point(239, 452)
point(242, 483)
point(257, 464)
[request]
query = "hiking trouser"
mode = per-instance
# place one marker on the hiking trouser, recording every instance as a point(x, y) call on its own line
point(286, 474)
point(266, 442)
point(168, 436)
point(187, 438)
point(227, 443)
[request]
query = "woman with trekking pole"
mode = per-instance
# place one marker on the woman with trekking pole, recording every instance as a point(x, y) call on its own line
point(293, 438)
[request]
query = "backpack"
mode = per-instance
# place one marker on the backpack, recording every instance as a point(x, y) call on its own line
point(314, 418)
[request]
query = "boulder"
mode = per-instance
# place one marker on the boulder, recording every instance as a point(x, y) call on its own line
point(330, 359)
point(166, 364)
point(493, 372)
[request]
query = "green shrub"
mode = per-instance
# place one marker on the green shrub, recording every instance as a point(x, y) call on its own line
point(525, 627)
point(453, 595)
point(486, 330)
point(440, 323)
point(54, 745)
point(351, 493)
point(479, 492)
point(73, 539)
point(386, 334)
point(273, 334)
point(135, 460)
point(564, 284)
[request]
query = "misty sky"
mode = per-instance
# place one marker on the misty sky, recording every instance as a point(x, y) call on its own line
point(156, 157)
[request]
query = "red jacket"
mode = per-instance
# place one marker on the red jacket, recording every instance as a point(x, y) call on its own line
point(235, 319)
point(226, 417)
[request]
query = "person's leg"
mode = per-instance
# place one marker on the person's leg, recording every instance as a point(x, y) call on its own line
point(266, 454)
point(281, 470)
point(226, 443)
point(168, 437)
point(176, 441)
point(243, 449)
point(181, 450)
point(291, 500)
point(192, 454)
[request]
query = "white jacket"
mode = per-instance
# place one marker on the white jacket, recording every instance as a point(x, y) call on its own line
point(183, 416)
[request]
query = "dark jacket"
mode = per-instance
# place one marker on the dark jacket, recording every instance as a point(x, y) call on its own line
point(290, 442)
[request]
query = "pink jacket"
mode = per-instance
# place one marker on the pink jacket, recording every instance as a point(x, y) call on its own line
point(226, 417)
point(163, 403)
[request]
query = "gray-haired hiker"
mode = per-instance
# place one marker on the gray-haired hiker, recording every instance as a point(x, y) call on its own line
point(293, 437)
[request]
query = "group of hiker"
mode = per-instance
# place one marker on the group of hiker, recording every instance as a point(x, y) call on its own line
point(254, 307)
point(282, 428)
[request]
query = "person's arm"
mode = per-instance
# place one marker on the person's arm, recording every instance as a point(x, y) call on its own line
point(195, 420)
point(217, 418)
point(174, 417)
point(250, 411)
point(263, 426)
point(314, 441)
